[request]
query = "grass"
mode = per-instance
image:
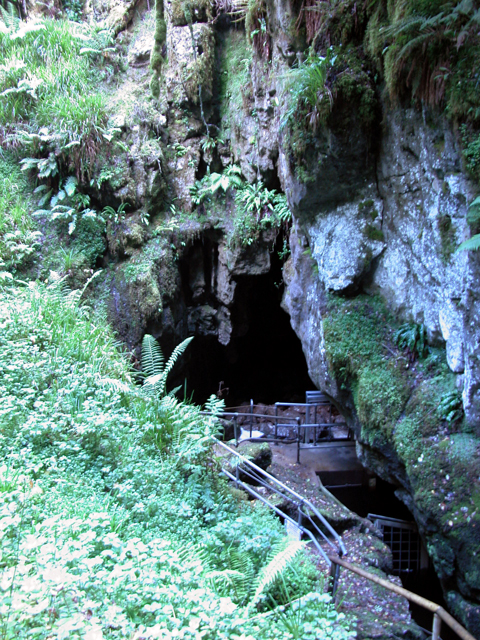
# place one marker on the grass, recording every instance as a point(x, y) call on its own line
point(18, 236)
point(50, 85)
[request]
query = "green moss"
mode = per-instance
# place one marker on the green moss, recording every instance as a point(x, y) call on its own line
point(367, 207)
point(381, 393)
point(156, 59)
point(429, 51)
point(259, 452)
point(373, 233)
point(89, 239)
point(184, 12)
point(198, 75)
point(234, 77)
point(355, 332)
point(353, 85)
point(447, 236)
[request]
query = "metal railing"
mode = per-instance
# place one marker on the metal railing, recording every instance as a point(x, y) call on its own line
point(309, 520)
point(439, 613)
point(304, 432)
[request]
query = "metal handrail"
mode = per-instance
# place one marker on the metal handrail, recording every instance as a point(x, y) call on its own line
point(255, 473)
point(439, 613)
point(293, 422)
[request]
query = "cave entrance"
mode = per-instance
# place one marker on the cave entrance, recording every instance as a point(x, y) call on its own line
point(264, 358)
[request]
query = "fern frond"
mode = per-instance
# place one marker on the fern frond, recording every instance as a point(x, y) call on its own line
point(225, 582)
point(10, 17)
point(472, 244)
point(152, 357)
point(176, 353)
point(276, 566)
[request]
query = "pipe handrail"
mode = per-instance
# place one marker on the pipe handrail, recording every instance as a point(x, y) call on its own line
point(439, 612)
point(271, 482)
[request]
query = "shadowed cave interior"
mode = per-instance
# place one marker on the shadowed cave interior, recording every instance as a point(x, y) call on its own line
point(264, 360)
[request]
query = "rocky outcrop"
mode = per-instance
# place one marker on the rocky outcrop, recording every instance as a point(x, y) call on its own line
point(420, 209)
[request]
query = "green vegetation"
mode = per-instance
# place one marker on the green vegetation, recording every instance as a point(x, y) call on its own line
point(473, 218)
point(154, 367)
point(356, 332)
point(157, 59)
point(414, 406)
point(114, 521)
point(307, 93)
point(235, 79)
point(413, 338)
point(335, 88)
point(18, 237)
point(47, 79)
point(430, 49)
point(256, 207)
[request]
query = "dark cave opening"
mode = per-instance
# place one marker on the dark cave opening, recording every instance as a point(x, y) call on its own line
point(264, 358)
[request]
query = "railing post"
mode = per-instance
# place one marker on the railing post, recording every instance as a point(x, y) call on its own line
point(437, 623)
point(300, 515)
point(333, 579)
point(276, 421)
point(251, 416)
point(235, 428)
point(298, 440)
point(237, 475)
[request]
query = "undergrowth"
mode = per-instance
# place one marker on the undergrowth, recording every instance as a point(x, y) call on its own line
point(255, 208)
point(48, 77)
point(114, 521)
point(18, 235)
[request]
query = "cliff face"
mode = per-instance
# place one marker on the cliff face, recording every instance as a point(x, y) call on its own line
point(379, 202)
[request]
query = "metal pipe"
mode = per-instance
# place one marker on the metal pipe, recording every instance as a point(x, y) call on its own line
point(274, 481)
point(298, 442)
point(437, 624)
point(252, 492)
point(251, 417)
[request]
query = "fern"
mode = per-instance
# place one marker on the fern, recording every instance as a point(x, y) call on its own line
point(11, 20)
point(284, 553)
point(153, 363)
point(413, 337)
point(152, 356)
point(472, 244)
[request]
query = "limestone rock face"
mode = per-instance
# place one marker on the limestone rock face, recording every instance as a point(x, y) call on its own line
point(191, 55)
point(425, 203)
point(345, 241)
point(116, 14)
point(403, 251)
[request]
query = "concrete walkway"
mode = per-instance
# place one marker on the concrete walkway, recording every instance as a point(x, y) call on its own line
point(324, 458)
